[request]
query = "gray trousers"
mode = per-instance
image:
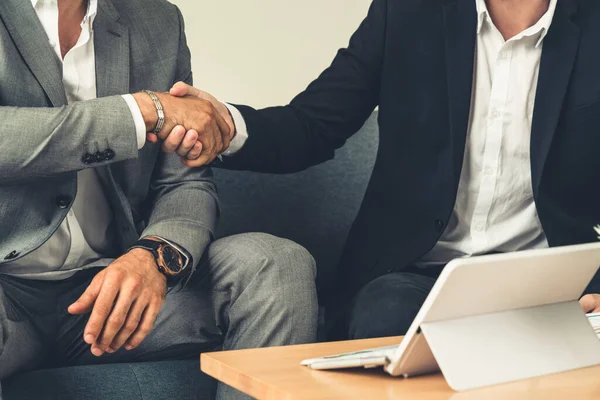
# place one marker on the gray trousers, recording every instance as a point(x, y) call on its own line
point(255, 290)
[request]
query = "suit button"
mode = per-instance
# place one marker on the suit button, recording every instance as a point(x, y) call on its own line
point(109, 154)
point(13, 254)
point(439, 226)
point(63, 202)
point(87, 159)
point(98, 156)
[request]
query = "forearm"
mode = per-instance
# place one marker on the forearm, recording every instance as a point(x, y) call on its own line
point(41, 142)
point(183, 206)
point(280, 140)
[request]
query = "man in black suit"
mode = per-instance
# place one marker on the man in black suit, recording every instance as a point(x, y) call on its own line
point(489, 115)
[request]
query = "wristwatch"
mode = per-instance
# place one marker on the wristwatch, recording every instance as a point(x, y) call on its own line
point(171, 259)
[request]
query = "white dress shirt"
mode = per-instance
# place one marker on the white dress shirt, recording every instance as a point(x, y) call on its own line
point(495, 210)
point(83, 237)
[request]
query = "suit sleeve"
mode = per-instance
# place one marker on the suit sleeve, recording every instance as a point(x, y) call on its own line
point(183, 203)
point(333, 107)
point(42, 142)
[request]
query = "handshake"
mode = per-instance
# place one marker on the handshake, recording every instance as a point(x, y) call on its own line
point(197, 126)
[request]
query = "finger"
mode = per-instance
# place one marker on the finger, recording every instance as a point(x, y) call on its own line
point(174, 139)
point(189, 140)
point(207, 138)
point(86, 301)
point(588, 303)
point(198, 162)
point(181, 89)
point(145, 325)
point(102, 308)
point(131, 324)
point(195, 151)
point(128, 293)
point(201, 161)
point(218, 140)
point(152, 138)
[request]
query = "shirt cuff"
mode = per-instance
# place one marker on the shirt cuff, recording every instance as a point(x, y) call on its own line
point(241, 132)
point(138, 120)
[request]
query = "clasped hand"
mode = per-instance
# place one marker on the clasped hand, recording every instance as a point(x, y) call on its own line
point(197, 126)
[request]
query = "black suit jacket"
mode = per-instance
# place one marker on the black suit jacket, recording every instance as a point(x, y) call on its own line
point(414, 59)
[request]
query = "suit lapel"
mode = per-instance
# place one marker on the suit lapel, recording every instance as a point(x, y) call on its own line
point(460, 29)
point(558, 57)
point(111, 44)
point(31, 40)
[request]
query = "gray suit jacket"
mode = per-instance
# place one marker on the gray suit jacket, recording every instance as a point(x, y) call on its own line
point(140, 44)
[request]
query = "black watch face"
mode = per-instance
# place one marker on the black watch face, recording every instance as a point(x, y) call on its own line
point(172, 259)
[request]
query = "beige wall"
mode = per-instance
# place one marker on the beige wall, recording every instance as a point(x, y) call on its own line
point(263, 52)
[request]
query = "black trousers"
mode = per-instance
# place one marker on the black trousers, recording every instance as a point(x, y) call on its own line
point(387, 305)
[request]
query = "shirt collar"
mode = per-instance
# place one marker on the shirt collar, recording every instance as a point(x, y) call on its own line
point(540, 28)
point(90, 14)
point(34, 3)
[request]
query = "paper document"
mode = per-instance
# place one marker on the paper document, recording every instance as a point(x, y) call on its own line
point(595, 321)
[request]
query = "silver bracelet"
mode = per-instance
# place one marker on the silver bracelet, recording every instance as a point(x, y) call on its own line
point(159, 110)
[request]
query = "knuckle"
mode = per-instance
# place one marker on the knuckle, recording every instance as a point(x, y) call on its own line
point(103, 309)
point(116, 320)
point(211, 112)
point(205, 123)
point(205, 103)
point(144, 330)
point(104, 341)
point(87, 297)
point(116, 274)
point(135, 283)
point(131, 326)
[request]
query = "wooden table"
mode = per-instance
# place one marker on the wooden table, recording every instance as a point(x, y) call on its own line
point(275, 373)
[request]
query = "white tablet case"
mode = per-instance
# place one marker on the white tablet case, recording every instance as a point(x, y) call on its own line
point(520, 319)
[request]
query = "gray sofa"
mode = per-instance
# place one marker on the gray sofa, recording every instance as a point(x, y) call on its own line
point(314, 208)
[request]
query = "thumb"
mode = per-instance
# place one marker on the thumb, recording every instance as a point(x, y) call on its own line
point(181, 89)
point(588, 303)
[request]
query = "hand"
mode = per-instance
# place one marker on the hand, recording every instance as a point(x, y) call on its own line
point(193, 158)
point(193, 127)
point(590, 303)
point(125, 299)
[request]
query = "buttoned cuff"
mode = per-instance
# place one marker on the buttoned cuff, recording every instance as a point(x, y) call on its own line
point(138, 120)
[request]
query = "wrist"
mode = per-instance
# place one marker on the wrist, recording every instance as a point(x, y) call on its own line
point(147, 260)
point(147, 109)
point(169, 259)
point(145, 256)
point(230, 121)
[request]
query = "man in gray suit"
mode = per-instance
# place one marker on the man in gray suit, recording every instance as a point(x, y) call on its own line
point(96, 225)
